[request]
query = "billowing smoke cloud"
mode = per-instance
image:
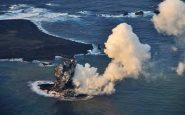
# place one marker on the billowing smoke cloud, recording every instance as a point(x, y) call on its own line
point(171, 19)
point(180, 68)
point(128, 55)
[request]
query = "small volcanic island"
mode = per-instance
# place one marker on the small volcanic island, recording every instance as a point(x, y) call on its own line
point(63, 88)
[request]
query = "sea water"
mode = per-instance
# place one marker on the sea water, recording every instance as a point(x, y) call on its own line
point(160, 91)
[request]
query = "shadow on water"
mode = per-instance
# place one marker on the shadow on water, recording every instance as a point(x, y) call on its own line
point(100, 105)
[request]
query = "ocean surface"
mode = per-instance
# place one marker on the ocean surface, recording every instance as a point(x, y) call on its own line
point(158, 91)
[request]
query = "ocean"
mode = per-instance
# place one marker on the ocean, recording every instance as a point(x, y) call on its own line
point(159, 91)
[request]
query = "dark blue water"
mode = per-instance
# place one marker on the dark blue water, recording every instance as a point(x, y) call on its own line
point(159, 92)
point(85, 21)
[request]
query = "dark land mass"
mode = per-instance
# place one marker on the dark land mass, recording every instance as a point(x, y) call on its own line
point(22, 39)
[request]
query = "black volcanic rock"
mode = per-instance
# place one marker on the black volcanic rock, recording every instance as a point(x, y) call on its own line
point(22, 39)
point(156, 11)
point(140, 13)
point(125, 13)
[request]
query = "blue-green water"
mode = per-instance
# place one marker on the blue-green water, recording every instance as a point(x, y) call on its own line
point(143, 96)
point(159, 92)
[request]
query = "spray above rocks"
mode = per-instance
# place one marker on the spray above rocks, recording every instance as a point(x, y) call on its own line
point(128, 55)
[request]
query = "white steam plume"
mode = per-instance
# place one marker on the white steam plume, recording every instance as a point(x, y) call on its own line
point(180, 68)
point(171, 19)
point(128, 56)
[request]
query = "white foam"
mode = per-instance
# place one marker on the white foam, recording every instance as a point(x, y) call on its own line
point(110, 16)
point(39, 63)
point(43, 63)
point(74, 16)
point(46, 64)
point(15, 7)
point(145, 14)
point(39, 25)
point(13, 60)
point(35, 61)
point(39, 15)
point(79, 55)
point(148, 13)
point(35, 88)
point(130, 15)
point(84, 12)
point(101, 54)
point(23, 11)
point(52, 4)
point(58, 57)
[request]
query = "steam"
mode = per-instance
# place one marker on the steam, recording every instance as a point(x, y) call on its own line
point(171, 19)
point(180, 68)
point(128, 55)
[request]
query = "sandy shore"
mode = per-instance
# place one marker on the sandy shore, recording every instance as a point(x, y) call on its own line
point(22, 39)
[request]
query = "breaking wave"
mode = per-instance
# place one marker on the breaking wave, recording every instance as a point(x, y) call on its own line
point(35, 88)
point(23, 11)
point(130, 15)
point(43, 63)
point(13, 60)
point(40, 15)
point(85, 13)
point(39, 63)
point(52, 4)
point(39, 25)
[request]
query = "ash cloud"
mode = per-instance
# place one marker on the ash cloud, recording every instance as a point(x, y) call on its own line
point(128, 56)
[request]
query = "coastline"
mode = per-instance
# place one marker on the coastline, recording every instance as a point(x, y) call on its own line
point(21, 38)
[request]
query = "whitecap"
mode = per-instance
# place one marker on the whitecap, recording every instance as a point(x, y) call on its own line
point(148, 13)
point(39, 15)
point(58, 57)
point(84, 12)
point(79, 55)
point(35, 88)
point(130, 15)
point(43, 63)
point(13, 60)
point(52, 4)
point(110, 16)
